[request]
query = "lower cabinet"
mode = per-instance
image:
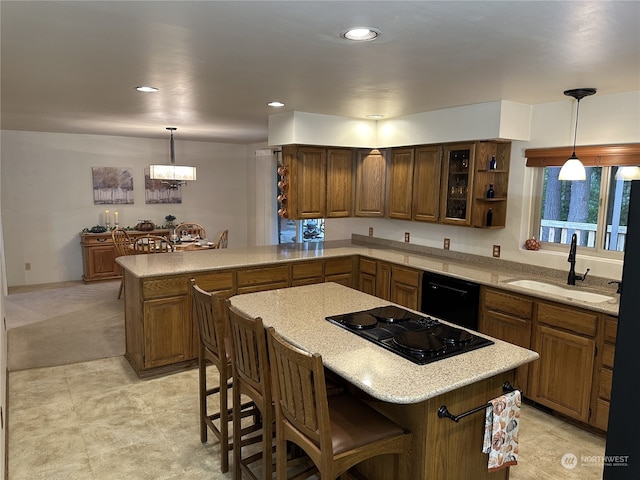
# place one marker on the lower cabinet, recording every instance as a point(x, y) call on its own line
point(601, 396)
point(367, 276)
point(398, 284)
point(307, 273)
point(264, 278)
point(340, 270)
point(406, 286)
point(168, 335)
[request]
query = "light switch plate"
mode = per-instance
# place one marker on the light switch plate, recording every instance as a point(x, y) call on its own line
point(371, 231)
point(496, 251)
point(447, 243)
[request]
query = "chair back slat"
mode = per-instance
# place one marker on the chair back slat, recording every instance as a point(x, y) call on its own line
point(121, 242)
point(152, 244)
point(210, 314)
point(223, 240)
point(191, 229)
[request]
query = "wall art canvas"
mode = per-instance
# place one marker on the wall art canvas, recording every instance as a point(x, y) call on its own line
point(158, 191)
point(112, 185)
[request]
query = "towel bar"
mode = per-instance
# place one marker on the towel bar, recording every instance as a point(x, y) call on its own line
point(444, 413)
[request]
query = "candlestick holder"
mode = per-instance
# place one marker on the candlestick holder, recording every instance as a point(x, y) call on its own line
point(108, 225)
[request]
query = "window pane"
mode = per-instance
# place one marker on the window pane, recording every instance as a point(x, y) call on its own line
point(570, 207)
point(617, 213)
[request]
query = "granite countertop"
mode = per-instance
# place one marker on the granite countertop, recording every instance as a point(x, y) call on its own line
point(298, 314)
point(482, 270)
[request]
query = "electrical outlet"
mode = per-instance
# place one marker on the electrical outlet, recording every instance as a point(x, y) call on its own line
point(27, 266)
point(447, 243)
point(371, 231)
point(406, 236)
point(496, 251)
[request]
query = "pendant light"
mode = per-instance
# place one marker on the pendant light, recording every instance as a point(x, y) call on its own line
point(172, 175)
point(573, 169)
point(629, 172)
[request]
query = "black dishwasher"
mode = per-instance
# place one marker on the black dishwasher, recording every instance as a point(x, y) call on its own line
point(451, 299)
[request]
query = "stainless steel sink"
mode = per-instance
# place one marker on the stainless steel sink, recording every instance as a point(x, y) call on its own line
point(560, 291)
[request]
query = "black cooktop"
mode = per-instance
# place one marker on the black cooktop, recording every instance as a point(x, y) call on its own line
point(416, 337)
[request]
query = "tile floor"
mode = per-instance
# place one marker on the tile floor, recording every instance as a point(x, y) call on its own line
point(97, 420)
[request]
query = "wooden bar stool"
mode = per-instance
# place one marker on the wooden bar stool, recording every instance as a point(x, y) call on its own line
point(336, 432)
point(210, 312)
point(252, 378)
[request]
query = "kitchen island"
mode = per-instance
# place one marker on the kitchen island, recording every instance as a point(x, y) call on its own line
point(411, 394)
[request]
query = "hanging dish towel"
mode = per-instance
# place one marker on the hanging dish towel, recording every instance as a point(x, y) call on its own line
point(502, 422)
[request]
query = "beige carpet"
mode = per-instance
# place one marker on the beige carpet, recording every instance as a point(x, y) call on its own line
point(63, 324)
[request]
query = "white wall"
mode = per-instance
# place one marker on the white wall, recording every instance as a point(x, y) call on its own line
point(47, 196)
point(604, 119)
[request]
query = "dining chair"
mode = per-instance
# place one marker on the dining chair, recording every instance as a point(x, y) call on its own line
point(122, 246)
point(210, 314)
point(223, 240)
point(251, 376)
point(191, 229)
point(337, 432)
point(152, 244)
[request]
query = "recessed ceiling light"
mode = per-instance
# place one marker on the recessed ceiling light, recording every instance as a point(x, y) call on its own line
point(147, 89)
point(375, 117)
point(361, 34)
point(275, 104)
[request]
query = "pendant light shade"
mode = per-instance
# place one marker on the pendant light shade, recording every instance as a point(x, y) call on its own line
point(173, 175)
point(628, 173)
point(573, 169)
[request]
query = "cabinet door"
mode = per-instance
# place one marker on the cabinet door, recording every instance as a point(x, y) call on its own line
point(457, 184)
point(426, 184)
point(400, 181)
point(260, 279)
point(370, 183)
point(561, 378)
point(367, 276)
point(310, 182)
point(100, 263)
point(307, 273)
point(339, 183)
point(339, 270)
point(405, 286)
point(167, 331)
point(383, 281)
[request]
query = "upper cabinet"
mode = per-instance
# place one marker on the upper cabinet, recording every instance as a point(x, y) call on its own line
point(371, 169)
point(401, 168)
point(318, 182)
point(427, 169)
point(490, 209)
point(457, 184)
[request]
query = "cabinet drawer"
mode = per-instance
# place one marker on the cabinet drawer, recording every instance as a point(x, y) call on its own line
point(405, 275)
point(610, 329)
point(608, 352)
point(262, 276)
point(338, 265)
point(367, 266)
point(215, 281)
point(601, 417)
point(306, 270)
point(577, 321)
point(97, 239)
point(604, 386)
point(507, 303)
point(165, 287)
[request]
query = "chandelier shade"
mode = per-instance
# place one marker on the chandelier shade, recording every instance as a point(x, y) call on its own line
point(172, 174)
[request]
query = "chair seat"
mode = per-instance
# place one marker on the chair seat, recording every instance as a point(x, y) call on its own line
point(354, 424)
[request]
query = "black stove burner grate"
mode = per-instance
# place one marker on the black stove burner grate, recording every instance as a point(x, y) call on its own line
point(416, 337)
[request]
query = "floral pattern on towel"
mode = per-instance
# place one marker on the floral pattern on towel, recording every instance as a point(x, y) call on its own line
point(502, 423)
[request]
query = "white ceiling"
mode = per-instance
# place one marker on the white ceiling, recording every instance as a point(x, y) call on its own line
point(73, 66)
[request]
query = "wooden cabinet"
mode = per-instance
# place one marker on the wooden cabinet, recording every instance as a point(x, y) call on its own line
point(371, 171)
point(340, 175)
point(484, 177)
point(426, 184)
point(398, 284)
point(508, 317)
point(98, 255)
point(319, 182)
point(340, 270)
point(565, 339)
point(367, 276)
point(400, 180)
point(263, 278)
point(306, 273)
point(603, 375)
point(457, 184)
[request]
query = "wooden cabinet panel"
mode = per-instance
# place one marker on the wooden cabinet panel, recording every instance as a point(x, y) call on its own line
point(600, 418)
point(578, 321)
point(426, 184)
point(515, 305)
point(307, 273)
point(310, 182)
point(370, 183)
point(167, 332)
point(485, 176)
point(211, 282)
point(383, 281)
point(340, 175)
point(164, 287)
point(561, 379)
point(457, 184)
point(400, 182)
point(264, 278)
point(340, 270)
point(100, 263)
point(367, 283)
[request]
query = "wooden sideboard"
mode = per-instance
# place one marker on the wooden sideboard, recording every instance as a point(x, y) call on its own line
point(98, 254)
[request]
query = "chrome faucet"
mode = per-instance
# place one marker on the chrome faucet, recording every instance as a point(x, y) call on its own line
point(573, 276)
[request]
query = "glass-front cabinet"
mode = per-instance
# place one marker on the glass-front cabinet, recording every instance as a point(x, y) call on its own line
point(457, 184)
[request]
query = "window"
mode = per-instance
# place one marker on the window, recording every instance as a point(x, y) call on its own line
point(596, 210)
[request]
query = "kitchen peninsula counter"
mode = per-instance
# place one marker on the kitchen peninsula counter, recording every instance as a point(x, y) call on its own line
point(408, 393)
